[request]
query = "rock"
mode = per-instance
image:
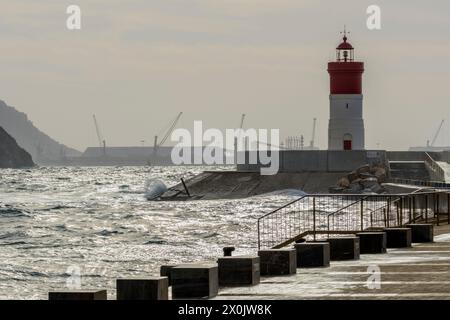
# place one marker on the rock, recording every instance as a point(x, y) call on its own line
point(368, 182)
point(355, 187)
point(11, 155)
point(363, 169)
point(380, 174)
point(352, 176)
point(366, 175)
point(344, 183)
point(376, 188)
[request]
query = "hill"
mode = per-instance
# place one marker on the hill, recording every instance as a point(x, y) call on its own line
point(11, 155)
point(38, 144)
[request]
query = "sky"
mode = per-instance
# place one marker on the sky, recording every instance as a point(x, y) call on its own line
point(135, 64)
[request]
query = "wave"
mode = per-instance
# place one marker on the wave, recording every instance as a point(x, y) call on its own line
point(154, 188)
point(11, 212)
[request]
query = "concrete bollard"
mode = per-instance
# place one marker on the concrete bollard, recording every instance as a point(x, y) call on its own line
point(398, 237)
point(344, 248)
point(372, 242)
point(239, 270)
point(156, 288)
point(77, 295)
point(276, 262)
point(421, 232)
point(165, 270)
point(312, 254)
point(228, 251)
point(194, 281)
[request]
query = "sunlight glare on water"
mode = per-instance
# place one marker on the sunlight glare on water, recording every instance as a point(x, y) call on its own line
point(98, 221)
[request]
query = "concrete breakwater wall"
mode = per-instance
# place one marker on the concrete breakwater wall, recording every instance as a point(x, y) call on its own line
point(234, 185)
point(320, 160)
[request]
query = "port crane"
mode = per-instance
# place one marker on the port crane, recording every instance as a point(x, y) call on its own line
point(241, 126)
point(101, 141)
point(313, 136)
point(167, 135)
point(436, 135)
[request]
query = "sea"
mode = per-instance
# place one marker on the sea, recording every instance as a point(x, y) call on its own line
point(69, 228)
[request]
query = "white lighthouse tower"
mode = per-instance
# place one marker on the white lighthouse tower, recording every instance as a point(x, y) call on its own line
point(346, 125)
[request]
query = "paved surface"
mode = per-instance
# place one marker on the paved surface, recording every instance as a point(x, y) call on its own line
point(420, 272)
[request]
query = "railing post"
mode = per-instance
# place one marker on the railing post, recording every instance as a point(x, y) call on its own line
point(410, 210)
point(448, 208)
point(314, 218)
point(362, 214)
point(436, 213)
point(402, 200)
point(388, 216)
point(426, 208)
point(413, 209)
point(386, 224)
point(259, 236)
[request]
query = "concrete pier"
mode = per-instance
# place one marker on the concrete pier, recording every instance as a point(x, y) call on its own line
point(194, 281)
point(78, 295)
point(165, 270)
point(156, 288)
point(344, 248)
point(278, 262)
point(312, 254)
point(372, 242)
point(421, 233)
point(420, 272)
point(239, 270)
point(398, 237)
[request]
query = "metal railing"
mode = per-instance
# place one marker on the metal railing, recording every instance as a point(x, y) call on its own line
point(435, 170)
point(316, 217)
point(421, 183)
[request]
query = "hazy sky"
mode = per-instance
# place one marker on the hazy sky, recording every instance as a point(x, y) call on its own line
point(137, 63)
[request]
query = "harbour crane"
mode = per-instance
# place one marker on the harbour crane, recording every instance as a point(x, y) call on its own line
point(97, 130)
point(436, 135)
point(313, 136)
point(167, 135)
point(242, 121)
point(101, 141)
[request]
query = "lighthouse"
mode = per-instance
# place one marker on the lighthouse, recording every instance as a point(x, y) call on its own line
point(346, 124)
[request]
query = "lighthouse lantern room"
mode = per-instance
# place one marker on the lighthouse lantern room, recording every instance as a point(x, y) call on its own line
point(346, 124)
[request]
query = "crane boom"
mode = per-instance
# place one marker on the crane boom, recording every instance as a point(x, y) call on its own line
point(241, 126)
point(437, 133)
point(313, 136)
point(169, 131)
point(97, 130)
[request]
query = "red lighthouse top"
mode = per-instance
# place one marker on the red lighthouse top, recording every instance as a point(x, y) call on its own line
point(345, 51)
point(345, 73)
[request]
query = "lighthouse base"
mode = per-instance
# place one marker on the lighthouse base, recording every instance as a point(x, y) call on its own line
point(346, 125)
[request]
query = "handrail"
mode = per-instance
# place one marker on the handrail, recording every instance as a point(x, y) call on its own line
point(309, 215)
point(414, 182)
point(351, 204)
point(434, 167)
point(280, 208)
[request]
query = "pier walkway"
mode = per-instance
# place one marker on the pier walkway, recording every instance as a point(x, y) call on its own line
point(420, 272)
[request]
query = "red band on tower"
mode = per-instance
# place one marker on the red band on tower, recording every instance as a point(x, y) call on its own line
point(346, 77)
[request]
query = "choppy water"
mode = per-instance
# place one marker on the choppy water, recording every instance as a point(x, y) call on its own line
point(56, 223)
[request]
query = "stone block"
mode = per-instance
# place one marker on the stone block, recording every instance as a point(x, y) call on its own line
point(156, 288)
point(276, 262)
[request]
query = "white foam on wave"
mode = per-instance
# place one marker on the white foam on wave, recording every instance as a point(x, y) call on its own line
point(154, 188)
